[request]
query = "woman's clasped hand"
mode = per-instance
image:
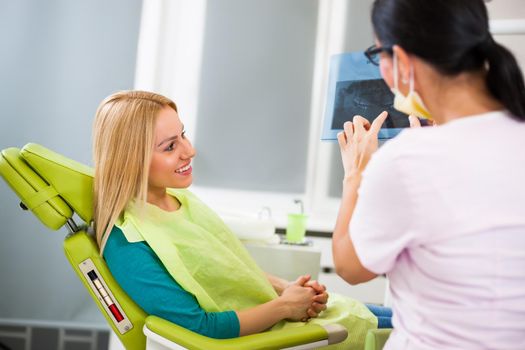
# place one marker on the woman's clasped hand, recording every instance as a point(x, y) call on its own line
point(304, 298)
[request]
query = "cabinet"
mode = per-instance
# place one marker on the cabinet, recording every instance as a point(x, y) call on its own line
point(286, 261)
point(289, 262)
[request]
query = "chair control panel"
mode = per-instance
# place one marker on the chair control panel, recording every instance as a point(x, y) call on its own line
point(108, 302)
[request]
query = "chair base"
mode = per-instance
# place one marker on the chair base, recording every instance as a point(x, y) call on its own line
point(156, 342)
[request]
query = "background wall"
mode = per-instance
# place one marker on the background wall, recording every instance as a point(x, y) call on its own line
point(510, 10)
point(59, 59)
point(256, 78)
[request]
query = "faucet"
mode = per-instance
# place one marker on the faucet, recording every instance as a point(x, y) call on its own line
point(300, 202)
point(266, 210)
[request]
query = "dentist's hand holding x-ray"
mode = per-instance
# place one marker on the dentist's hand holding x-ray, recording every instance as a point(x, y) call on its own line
point(358, 142)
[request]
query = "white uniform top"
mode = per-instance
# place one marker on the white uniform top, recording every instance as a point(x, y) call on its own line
point(441, 211)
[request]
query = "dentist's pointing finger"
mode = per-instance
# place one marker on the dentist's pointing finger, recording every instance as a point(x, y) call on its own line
point(378, 122)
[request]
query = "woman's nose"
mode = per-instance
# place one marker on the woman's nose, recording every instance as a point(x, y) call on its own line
point(189, 151)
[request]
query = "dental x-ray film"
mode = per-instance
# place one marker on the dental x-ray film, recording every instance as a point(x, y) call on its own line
point(355, 87)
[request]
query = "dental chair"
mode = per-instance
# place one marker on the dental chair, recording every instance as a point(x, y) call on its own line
point(54, 188)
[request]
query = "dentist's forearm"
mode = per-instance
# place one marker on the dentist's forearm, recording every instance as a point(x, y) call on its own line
point(347, 206)
point(262, 317)
point(346, 262)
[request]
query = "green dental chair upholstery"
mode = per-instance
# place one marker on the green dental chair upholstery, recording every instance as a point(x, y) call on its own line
point(53, 188)
point(376, 338)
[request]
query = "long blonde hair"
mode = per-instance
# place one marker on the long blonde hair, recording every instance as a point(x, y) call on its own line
point(123, 139)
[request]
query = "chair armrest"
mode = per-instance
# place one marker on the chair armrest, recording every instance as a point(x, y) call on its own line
point(156, 327)
point(376, 338)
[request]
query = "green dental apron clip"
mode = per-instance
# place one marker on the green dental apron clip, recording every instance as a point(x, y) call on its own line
point(202, 254)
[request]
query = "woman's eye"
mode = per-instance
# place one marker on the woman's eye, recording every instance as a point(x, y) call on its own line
point(183, 134)
point(170, 147)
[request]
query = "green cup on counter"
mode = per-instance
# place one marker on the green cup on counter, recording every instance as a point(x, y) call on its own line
point(296, 228)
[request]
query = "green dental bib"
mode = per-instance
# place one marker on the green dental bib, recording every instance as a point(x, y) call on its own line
point(202, 254)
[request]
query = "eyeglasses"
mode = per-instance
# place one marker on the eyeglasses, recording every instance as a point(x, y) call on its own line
point(372, 53)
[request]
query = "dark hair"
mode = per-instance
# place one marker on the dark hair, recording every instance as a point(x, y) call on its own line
point(453, 36)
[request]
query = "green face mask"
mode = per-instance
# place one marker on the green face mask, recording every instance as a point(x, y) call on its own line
point(412, 104)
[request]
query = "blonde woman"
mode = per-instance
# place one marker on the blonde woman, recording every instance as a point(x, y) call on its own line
point(173, 255)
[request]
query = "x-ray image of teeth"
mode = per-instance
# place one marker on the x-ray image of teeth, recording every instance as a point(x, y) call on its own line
point(355, 87)
point(367, 98)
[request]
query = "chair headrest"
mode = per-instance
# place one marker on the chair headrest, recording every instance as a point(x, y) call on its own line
point(72, 180)
point(49, 184)
point(35, 194)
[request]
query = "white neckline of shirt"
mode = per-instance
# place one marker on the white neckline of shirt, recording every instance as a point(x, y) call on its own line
point(479, 117)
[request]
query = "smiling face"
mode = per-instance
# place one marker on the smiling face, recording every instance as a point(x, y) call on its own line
point(172, 154)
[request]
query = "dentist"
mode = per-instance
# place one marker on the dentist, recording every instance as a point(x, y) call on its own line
point(440, 210)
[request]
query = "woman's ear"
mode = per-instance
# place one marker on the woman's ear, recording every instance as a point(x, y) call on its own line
point(404, 64)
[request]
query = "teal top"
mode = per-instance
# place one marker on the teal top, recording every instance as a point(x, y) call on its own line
point(144, 278)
